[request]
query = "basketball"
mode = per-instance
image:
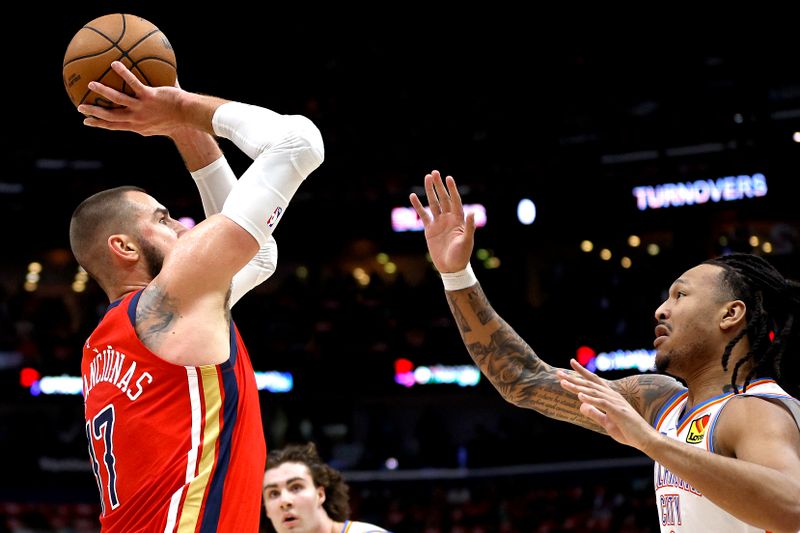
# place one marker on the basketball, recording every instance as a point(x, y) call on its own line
point(134, 41)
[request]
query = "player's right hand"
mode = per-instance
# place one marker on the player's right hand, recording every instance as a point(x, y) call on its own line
point(450, 236)
point(150, 111)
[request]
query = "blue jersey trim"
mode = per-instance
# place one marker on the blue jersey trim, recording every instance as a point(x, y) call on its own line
point(132, 307)
point(664, 407)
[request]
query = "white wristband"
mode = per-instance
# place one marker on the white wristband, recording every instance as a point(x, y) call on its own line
point(454, 281)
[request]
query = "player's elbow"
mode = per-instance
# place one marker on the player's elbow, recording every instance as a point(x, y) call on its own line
point(793, 513)
point(792, 527)
point(787, 519)
point(793, 519)
point(308, 148)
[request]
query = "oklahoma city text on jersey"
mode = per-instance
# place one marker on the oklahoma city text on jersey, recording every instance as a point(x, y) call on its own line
point(665, 478)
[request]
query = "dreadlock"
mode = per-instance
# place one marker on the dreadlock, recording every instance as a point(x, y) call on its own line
point(773, 305)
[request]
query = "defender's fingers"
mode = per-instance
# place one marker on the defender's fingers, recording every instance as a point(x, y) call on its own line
point(572, 377)
point(594, 413)
point(471, 225)
point(579, 368)
point(433, 200)
point(590, 389)
point(441, 191)
point(455, 197)
point(418, 207)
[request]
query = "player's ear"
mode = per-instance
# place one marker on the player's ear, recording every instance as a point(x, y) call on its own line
point(123, 247)
point(321, 494)
point(735, 312)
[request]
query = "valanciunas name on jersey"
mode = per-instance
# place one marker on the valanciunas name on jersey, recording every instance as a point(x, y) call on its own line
point(110, 366)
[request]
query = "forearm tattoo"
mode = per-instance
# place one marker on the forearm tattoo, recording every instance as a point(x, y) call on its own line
point(509, 363)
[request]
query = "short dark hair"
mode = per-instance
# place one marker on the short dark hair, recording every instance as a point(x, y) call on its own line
point(98, 216)
point(773, 306)
point(337, 492)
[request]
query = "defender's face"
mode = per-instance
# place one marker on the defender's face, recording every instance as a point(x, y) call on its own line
point(292, 502)
point(688, 322)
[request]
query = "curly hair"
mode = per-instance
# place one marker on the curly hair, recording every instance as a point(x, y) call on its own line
point(773, 305)
point(337, 492)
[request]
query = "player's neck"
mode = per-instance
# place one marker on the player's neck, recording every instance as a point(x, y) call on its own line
point(715, 382)
point(121, 291)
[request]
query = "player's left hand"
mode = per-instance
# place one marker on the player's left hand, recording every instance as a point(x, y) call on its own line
point(607, 407)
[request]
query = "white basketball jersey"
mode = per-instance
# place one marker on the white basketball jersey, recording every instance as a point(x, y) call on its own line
point(681, 507)
point(361, 527)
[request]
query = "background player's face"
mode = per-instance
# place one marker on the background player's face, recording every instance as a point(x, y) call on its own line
point(689, 337)
point(292, 502)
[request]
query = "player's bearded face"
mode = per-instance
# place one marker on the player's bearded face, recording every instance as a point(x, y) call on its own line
point(662, 363)
point(153, 256)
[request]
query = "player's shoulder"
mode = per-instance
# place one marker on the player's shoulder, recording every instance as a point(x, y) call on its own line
point(749, 407)
point(778, 419)
point(776, 414)
point(652, 395)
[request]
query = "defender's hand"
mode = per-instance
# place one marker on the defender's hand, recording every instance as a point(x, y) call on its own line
point(449, 235)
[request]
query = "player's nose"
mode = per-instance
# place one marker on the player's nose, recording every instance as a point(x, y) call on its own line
point(179, 228)
point(661, 312)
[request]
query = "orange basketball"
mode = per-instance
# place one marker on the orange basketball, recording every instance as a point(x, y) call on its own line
point(134, 41)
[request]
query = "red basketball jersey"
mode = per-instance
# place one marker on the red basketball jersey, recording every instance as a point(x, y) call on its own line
point(173, 448)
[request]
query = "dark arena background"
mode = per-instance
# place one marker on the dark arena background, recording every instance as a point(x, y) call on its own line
point(640, 151)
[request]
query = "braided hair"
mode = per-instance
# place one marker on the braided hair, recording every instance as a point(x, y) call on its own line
point(773, 312)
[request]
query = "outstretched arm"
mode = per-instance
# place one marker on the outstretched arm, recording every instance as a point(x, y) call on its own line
point(514, 369)
point(509, 363)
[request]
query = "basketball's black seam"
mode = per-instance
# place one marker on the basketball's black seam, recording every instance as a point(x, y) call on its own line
point(114, 44)
point(98, 32)
point(123, 54)
point(137, 43)
point(112, 41)
point(134, 64)
point(124, 27)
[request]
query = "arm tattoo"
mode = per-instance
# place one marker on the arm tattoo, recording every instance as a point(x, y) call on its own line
point(509, 363)
point(155, 313)
point(647, 393)
point(631, 390)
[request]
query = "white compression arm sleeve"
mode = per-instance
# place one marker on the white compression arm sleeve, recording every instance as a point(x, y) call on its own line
point(285, 150)
point(215, 182)
point(260, 267)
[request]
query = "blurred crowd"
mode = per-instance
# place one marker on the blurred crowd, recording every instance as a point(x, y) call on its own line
point(603, 501)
